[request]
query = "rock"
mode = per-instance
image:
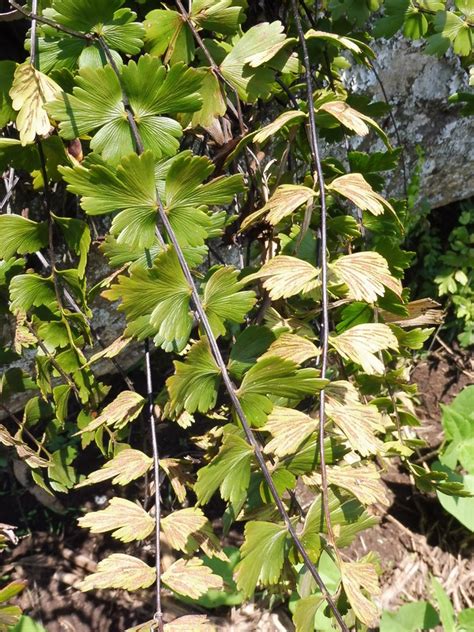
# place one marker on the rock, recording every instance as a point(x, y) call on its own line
point(418, 86)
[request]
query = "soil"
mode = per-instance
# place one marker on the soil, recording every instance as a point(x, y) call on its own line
point(414, 539)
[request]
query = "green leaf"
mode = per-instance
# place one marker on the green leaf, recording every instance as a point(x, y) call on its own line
point(462, 508)
point(223, 301)
point(263, 553)
point(453, 27)
point(130, 189)
point(7, 113)
point(466, 620)
point(21, 235)
point(220, 16)
point(31, 290)
point(105, 17)
point(445, 607)
point(410, 618)
point(152, 91)
point(168, 36)
point(187, 199)
point(156, 302)
point(229, 471)
point(251, 343)
point(26, 624)
point(194, 385)
point(78, 238)
point(244, 67)
point(275, 377)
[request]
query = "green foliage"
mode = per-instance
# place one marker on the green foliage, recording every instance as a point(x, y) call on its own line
point(130, 117)
point(427, 616)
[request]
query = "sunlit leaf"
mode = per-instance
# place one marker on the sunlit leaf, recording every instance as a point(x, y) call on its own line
point(126, 519)
point(126, 466)
point(356, 188)
point(30, 92)
point(180, 525)
point(191, 578)
point(364, 482)
point(21, 235)
point(194, 385)
point(361, 344)
point(229, 471)
point(120, 571)
point(125, 408)
point(285, 276)
point(223, 301)
point(153, 91)
point(289, 428)
point(359, 423)
point(31, 290)
point(356, 577)
point(367, 275)
point(285, 201)
point(262, 553)
point(292, 347)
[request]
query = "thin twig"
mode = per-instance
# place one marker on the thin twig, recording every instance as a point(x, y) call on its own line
point(22, 427)
point(315, 154)
point(33, 40)
point(59, 27)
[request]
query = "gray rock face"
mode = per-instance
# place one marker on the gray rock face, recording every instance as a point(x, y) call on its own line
point(418, 86)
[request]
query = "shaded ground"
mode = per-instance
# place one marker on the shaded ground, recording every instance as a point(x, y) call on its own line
point(414, 539)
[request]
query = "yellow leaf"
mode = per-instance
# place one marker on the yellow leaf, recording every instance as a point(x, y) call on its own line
point(179, 525)
point(178, 472)
point(289, 428)
point(286, 199)
point(355, 577)
point(272, 128)
point(130, 520)
point(191, 578)
point(342, 392)
point(190, 623)
point(364, 482)
point(350, 118)
point(125, 408)
point(120, 571)
point(423, 312)
point(208, 542)
point(292, 347)
point(285, 276)
point(23, 450)
point(125, 467)
point(358, 422)
point(112, 350)
point(30, 91)
point(356, 188)
point(366, 274)
point(362, 342)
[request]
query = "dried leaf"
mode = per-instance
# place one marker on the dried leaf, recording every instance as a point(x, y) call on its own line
point(423, 312)
point(178, 472)
point(289, 428)
point(356, 188)
point(264, 133)
point(364, 482)
point(286, 199)
point(23, 450)
point(180, 525)
point(116, 347)
point(120, 571)
point(30, 91)
point(362, 342)
point(366, 274)
point(191, 578)
point(355, 577)
point(125, 408)
point(130, 520)
point(359, 423)
point(285, 276)
point(128, 465)
point(190, 623)
point(292, 347)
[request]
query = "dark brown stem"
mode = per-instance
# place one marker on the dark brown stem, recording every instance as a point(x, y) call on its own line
point(59, 27)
